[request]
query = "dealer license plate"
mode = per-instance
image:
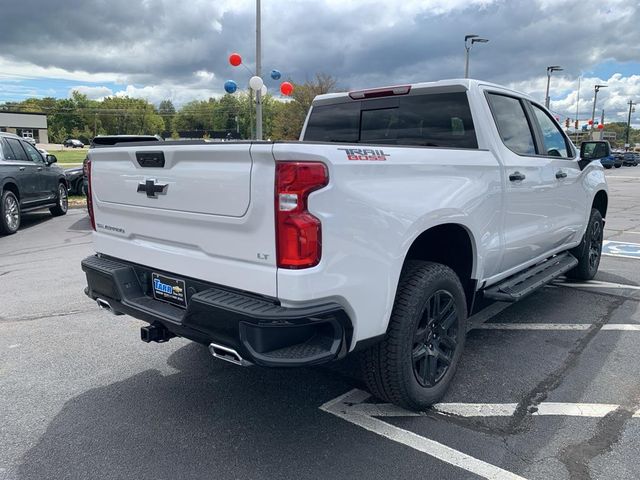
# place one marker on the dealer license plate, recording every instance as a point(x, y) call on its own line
point(169, 289)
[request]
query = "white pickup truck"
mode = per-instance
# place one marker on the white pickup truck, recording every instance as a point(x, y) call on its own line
point(400, 213)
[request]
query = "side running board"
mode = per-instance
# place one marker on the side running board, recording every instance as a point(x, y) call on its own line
point(522, 284)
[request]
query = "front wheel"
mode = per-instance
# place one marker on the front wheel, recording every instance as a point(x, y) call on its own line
point(63, 201)
point(589, 251)
point(9, 213)
point(414, 365)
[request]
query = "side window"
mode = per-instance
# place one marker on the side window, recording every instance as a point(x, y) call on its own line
point(33, 153)
point(512, 123)
point(555, 143)
point(17, 150)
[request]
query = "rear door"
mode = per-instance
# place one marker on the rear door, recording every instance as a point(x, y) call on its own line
point(530, 183)
point(202, 210)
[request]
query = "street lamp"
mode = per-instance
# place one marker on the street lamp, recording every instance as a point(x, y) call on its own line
point(550, 70)
point(626, 143)
point(469, 40)
point(595, 98)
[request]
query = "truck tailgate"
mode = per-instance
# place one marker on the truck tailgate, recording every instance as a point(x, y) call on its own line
point(208, 211)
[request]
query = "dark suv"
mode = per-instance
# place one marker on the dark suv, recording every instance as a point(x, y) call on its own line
point(28, 181)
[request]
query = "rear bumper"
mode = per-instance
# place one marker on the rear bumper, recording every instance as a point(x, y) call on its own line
point(258, 328)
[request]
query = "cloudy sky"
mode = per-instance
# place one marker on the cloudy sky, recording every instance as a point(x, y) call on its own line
point(178, 50)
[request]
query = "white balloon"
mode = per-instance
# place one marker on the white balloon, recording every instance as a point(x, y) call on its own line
point(263, 90)
point(255, 83)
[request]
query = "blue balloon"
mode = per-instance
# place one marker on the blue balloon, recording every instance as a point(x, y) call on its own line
point(275, 74)
point(230, 86)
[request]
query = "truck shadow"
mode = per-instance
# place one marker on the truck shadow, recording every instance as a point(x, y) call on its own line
point(207, 419)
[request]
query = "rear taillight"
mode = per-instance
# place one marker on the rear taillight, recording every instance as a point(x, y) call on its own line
point(90, 197)
point(298, 233)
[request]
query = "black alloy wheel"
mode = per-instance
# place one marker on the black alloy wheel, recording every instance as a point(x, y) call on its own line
point(435, 339)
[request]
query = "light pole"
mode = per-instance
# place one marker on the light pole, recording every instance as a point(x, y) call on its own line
point(258, 73)
point(467, 46)
point(550, 70)
point(626, 143)
point(595, 98)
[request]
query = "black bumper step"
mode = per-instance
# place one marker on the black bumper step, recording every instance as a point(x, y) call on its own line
point(259, 328)
point(522, 284)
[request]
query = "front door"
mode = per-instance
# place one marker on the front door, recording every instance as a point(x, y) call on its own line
point(571, 208)
point(47, 177)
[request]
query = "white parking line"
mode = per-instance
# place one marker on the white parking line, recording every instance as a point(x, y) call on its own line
point(629, 327)
point(350, 407)
point(353, 406)
point(342, 407)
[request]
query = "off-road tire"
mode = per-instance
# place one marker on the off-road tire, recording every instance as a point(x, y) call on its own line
point(389, 367)
point(589, 251)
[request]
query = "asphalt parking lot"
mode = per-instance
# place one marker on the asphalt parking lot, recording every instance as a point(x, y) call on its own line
point(548, 388)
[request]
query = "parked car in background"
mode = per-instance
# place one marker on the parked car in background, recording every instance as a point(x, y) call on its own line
point(75, 180)
point(28, 181)
point(73, 143)
point(631, 159)
point(30, 140)
point(608, 162)
point(618, 159)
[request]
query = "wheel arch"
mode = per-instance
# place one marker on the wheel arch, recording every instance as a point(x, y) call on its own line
point(601, 202)
point(453, 245)
point(11, 185)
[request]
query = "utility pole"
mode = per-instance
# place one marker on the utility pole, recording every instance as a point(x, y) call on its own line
point(95, 124)
point(258, 73)
point(626, 143)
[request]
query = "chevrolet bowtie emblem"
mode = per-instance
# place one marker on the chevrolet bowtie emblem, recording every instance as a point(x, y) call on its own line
point(151, 188)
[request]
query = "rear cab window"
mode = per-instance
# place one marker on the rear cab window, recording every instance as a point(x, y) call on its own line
point(424, 119)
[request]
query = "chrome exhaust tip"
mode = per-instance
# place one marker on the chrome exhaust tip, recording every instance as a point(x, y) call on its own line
point(227, 354)
point(103, 304)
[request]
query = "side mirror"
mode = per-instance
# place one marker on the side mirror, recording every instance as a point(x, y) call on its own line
point(590, 151)
point(51, 159)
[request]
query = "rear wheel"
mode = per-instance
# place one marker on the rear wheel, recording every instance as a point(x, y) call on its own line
point(9, 213)
point(589, 251)
point(63, 201)
point(414, 364)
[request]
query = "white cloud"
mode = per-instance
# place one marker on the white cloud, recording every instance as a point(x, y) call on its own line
point(94, 93)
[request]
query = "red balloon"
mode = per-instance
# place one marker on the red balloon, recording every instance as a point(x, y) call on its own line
point(590, 122)
point(286, 88)
point(600, 127)
point(235, 59)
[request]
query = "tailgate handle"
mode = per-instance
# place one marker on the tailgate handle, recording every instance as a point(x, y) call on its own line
point(150, 159)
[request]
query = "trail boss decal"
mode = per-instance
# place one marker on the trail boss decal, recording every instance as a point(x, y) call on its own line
point(366, 154)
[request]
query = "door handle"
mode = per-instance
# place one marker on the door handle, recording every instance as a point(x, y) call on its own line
point(516, 176)
point(561, 174)
point(21, 169)
point(39, 169)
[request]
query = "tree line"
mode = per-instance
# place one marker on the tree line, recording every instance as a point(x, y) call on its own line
point(83, 118)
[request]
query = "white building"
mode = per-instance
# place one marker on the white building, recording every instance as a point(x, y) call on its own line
point(24, 124)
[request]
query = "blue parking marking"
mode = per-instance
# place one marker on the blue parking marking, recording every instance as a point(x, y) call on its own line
point(621, 249)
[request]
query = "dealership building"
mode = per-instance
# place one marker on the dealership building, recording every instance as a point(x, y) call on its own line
point(23, 124)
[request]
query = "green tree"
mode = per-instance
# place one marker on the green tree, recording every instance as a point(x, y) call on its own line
point(167, 111)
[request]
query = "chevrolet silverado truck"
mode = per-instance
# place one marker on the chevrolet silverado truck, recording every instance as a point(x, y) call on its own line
point(401, 212)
